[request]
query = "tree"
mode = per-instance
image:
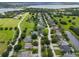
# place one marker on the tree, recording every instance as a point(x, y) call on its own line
point(74, 18)
point(15, 28)
point(5, 54)
point(42, 42)
point(50, 54)
point(70, 21)
point(43, 48)
point(35, 43)
point(9, 48)
point(73, 23)
point(54, 40)
point(10, 28)
point(23, 35)
point(6, 28)
point(63, 22)
point(52, 31)
point(59, 19)
point(47, 41)
point(34, 36)
point(1, 28)
point(17, 47)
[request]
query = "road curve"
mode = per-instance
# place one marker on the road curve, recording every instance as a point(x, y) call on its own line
point(17, 40)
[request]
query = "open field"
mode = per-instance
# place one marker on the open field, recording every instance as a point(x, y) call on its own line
point(5, 37)
point(8, 22)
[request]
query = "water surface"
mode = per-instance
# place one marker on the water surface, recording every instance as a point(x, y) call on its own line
point(53, 6)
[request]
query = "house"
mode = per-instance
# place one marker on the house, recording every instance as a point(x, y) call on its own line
point(65, 46)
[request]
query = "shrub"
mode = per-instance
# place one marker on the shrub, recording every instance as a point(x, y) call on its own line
point(5, 54)
point(50, 54)
point(74, 18)
point(73, 23)
point(56, 22)
point(63, 22)
point(35, 43)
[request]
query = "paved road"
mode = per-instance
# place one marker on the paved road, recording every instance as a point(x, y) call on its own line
point(11, 52)
point(39, 37)
point(39, 46)
point(49, 37)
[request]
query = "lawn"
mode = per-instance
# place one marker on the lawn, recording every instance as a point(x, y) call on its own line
point(26, 24)
point(66, 27)
point(45, 53)
point(5, 36)
point(59, 52)
point(8, 22)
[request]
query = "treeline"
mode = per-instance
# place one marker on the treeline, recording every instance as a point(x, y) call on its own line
point(10, 14)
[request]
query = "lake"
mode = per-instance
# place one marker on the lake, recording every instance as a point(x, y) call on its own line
point(2, 10)
point(53, 6)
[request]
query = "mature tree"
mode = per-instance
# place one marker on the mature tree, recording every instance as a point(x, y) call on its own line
point(17, 47)
point(70, 21)
point(34, 36)
point(6, 28)
point(10, 28)
point(35, 43)
point(15, 28)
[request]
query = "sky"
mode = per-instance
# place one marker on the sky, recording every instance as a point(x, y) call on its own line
point(39, 0)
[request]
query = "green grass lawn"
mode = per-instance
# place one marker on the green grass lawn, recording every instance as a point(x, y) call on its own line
point(45, 53)
point(59, 52)
point(28, 25)
point(8, 22)
point(66, 27)
point(5, 36)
